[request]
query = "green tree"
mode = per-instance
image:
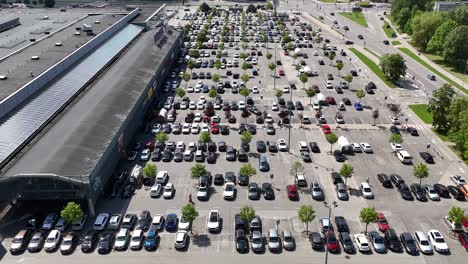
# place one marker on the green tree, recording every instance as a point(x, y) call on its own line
point(368, 215)
point(246, 137)
point(244, 92)
point(269, 56)
point(296, 168)
point(393, 65)
point(221, 46)
point(215, 77)
point(348, 78)
point(247, 170)
point(456, 214)
point(49, 3)
point(360, 94)
point(332, 139)
point(375, 115)
point(436, 44)
point(72, 212)
point(439, 105)
point(186, 78)
point(420, 171)
point(278, 93)
point(310, 93)
point(346, 171)
point(189, 213)
point(403, 17)
point(458, 120)
point(180, 92)
point(244, 46)
point(212, 93)
point(306, 215)
point(245, 66)
point(268, 6)
point(331, 56)
point(198, 170)
point(245, 78)
point(303, 78)
point(218, 65)
point(395, 138)
point(339, 66)
point(460, 15)
point(456, 49)
point(247, 214)
point(205, 137)
point(150, 170)
point(191, 65)
point(272, 67)
point(423, 27)
point(162, 137)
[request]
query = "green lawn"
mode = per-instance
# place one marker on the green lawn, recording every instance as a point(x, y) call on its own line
point(388, 30)
point(356, 17)
point(421, 111)
point(396, 42)
point(374, 67)
point(440, 61)
point(429, 67)
point(373, 53)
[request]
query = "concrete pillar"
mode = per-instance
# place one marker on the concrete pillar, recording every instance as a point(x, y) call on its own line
point(91, 211)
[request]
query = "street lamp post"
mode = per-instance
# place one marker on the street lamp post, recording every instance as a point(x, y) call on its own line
point(329, 206)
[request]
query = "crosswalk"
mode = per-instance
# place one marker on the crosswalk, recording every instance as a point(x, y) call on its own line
point(418, 127)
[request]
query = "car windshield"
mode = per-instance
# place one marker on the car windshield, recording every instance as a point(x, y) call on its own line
point(136, 238)
point(257, 240)
point(287, 239)
point(67, 242)
point(214, 217)
point(439, 240)
point(367, 189)
point(364, 245)
point(17, 240)
point(331, 239)
point(424, 242)
point(273, 239)
point(50, 240)
point(121, 238)
point(35, 239)
point(378, 240)
point(229, 187)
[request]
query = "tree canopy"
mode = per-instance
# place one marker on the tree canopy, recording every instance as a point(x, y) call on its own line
point(393, 66)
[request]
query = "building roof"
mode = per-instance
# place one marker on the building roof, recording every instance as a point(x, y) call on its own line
point(77, 138)
point(7, 19)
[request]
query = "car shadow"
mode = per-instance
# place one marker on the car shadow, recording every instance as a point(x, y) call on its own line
point(201, 240)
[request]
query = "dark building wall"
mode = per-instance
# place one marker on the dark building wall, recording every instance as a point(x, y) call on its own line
point(9, 24)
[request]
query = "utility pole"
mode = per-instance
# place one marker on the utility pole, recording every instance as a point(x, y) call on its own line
point(329, 206)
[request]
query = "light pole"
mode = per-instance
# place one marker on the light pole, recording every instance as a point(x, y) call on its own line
point(329, 206)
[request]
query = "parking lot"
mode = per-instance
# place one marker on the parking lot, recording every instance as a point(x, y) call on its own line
point(402, 215)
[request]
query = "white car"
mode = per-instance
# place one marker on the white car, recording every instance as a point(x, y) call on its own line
point(205, 128)
point(241, 105)
point(162, 177)
point(200, 105)
point(195, 129)
point(437, 241)
point(329, 85)
point(198, 117)
point(366, 147)
point(168, 190)
point(396, 147)
point(217, 106)
point(229, 191)
point(136, 240)
point(366, 190)
point(215, 119)
point(356, 147)
point(269, 119)
point(145, 155)
point(180, 145)
point(192, 105)
point(362, 242)
point(190, 89)
point(156, 128)
point(286, 89)
point(181, 240)
point(183, 224)
point(214, 221)
point(183, 105)
point(101, 221)
point(282, 146)
point(394, 120)
point(423, 242)
point(186, 128)
point(255, 90)
point(158, 221)
point(274, 107)
point(458, 180)
point(53, 240)
point(155, 190)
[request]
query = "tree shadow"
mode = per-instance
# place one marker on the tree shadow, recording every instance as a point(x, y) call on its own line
point(201, 240)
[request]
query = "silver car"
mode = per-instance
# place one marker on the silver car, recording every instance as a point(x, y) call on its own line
point(316, 191)
point(274, 243)
point(257, 241)
point(341, 191)
point(288, 240)
point(431, 192)
point(377, 242)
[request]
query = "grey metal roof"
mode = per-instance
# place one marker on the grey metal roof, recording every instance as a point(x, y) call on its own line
point(7, 19)
point(29, 117)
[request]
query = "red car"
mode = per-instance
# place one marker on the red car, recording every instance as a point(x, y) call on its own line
point(382, 222)
point(326, 129)
point(149, 145)
point(286, 53)
point(281, 72)
point(332, 242)
point(292, 192)
point(330, 100)
point(463, 238)
point(214, 128)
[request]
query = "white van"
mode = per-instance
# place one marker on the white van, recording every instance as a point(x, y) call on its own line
point(404, 156)
point(303, 146)
point(316, 105)
point(136, 175)
point(301, 180)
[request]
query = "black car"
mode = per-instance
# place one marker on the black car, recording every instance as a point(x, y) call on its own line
point(392, 241)
point(167, 155)
point(230, 177)
point(272, 146)
point(317, 242)
point(427, 157)
point(89, 241)
point(314, 147)
point(127, 191)
point(336, 177)
point(353, 73)
point(413, 131)
point(242, 244)
point(305, 156)
point(144, 220)
point(405, 191)
point(242, 155)
point(418, 192)
point(299, 106)
point(253, 191)
point(268, 192)
point(339, 156)
point(211, 158)
point(211, 146)
point(242, 128)
point(106, 242)
point(222, 147)
point(338, 89)
point(395, 130)
point(243, 180)
point(346, 242)
point(442, 190)
point(261, 146)
point(384, 180)
point(386, 42)
point(218, 179)
point(346, 101)
point(341, 224)
point(245, 146)
point(456, 193)
point(396, 179)
point(178, 156)
point(252, 129)
point(156, 155)
point(224, 130)
point(408, 243)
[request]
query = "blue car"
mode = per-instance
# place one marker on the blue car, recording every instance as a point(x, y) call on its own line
point(171, 222)
point(358, 106)
point(151, 238)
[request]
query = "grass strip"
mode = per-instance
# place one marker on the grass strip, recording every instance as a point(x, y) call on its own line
point(388, 30)
point(421, 111)
point(371, 52)
point(356, 17)
point(396, 42)
point(374, 67)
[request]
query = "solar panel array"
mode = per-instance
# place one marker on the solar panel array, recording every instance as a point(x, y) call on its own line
point(25, 120)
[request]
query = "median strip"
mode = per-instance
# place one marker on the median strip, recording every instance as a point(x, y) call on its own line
point(373, 67)
point(356, 17)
